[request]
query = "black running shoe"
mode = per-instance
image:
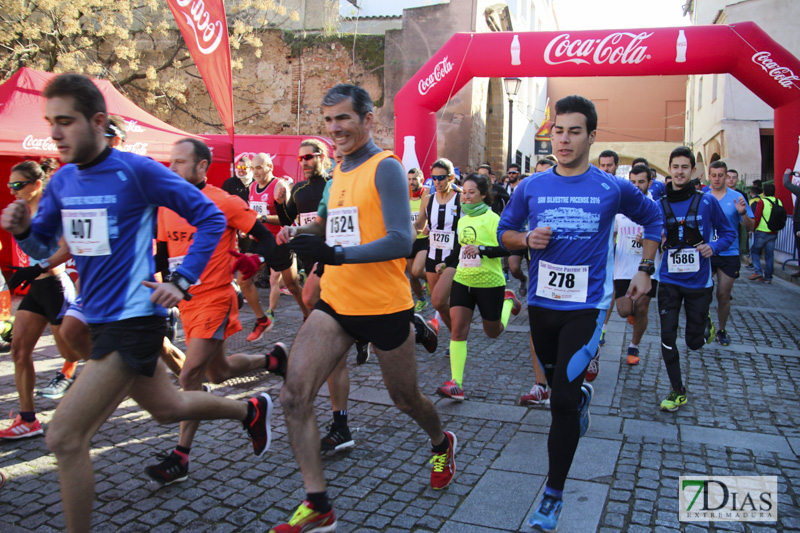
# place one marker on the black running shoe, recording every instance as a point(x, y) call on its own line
point(362, 352)
point(259, 429)
point(170, 470)
point(425, 334)
point(338, 438)
point(280, 353)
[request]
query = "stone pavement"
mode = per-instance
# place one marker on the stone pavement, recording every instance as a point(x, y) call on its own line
point(742, 418)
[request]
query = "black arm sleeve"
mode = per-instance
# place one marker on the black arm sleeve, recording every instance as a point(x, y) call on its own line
point(495, 251)
point(264, 239)
point(452, 259)
point(162, 259)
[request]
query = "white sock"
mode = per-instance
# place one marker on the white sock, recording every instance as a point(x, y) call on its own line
point(634, 346)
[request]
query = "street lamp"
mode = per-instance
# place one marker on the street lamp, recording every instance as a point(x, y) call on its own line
point(512, 88)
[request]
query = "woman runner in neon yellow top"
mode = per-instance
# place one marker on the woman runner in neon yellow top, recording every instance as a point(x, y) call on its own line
point(479, 278)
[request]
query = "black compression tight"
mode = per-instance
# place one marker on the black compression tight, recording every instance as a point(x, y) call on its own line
point(565, 342)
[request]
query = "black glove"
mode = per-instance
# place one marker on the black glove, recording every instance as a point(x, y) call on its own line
point(313, 246)
point(24, 276)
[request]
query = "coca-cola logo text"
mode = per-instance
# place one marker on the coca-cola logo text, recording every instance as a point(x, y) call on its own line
point(207, 33)
point(441, 69)
point(619, 47)
point(44, 145)
point(136, 148)
point(783, 75)
point(133, 125)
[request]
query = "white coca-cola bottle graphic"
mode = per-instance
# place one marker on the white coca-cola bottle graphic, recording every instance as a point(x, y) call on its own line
point(681, 47)
point(410, 153)
point(515, 51)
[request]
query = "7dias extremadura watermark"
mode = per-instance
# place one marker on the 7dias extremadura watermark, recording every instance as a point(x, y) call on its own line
point(728, 498)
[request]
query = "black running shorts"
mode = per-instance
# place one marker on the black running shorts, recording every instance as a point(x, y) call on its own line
point(138, 340)
point(385, 332)
point(419, 246)
point(728, 264)
point(488, 299)
point(281, 258)
point(49, 297)
point(621, 287)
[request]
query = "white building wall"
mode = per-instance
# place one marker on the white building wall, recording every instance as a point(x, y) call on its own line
point(737, 117)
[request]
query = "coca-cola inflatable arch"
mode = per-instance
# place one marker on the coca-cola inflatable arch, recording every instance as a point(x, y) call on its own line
point(743, 50)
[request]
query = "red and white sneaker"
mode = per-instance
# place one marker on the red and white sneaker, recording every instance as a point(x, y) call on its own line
point(21, 429)
point(434, 323)
point(450, 389)
point(509, 295)
point(538, 395)
point(307, 520)
point(594, 368)
point(444, 464)
point(262, 326)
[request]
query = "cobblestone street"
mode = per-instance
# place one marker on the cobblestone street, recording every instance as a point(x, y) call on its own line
point(743, 418)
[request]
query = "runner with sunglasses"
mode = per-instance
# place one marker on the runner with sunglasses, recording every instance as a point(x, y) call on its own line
point(438, 216)
point(48, 297)
point(300, 207)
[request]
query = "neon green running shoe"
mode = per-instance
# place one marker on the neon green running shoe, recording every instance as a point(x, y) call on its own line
point(711, 331)
point(420, 305)
point(675, 399)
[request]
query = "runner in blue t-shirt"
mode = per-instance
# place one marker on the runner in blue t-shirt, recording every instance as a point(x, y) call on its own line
point(726, 263)
point(657, 189)
point(684, 274)
point(570, 211)
point(104, 202)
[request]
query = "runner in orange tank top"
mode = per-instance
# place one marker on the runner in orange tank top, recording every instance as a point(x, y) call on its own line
point(368, 236)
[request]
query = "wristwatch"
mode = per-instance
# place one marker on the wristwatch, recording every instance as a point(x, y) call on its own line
point(648, 266)
point(481, 250)
point(182, 283)
point(338, 254)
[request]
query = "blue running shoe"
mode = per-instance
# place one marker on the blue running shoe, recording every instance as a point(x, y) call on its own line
point(546, 516)
point(586, 419)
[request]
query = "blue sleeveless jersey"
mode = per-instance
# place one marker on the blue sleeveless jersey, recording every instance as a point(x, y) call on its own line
point(130, 188)
point(580, 210)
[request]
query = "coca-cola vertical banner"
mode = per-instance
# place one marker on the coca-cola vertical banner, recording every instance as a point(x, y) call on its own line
point(205, 30)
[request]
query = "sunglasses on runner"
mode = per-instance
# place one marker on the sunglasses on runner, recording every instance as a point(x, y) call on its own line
point(307, 157)
point(513, 172)
point(19, 185)
point(242, 167)
point(439, 178)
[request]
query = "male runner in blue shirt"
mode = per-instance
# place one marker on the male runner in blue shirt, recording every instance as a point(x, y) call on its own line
point(570, 211)
point(104, 202)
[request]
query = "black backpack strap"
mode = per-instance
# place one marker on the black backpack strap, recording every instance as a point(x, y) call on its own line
point(668, 212)
point(691, 214)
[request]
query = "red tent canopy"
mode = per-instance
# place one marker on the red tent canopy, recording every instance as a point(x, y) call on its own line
point(25, 134)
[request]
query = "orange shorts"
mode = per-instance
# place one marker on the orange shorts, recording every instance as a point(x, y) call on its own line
point(211, 315)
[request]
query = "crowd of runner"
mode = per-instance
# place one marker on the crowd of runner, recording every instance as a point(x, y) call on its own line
point(590, 240)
